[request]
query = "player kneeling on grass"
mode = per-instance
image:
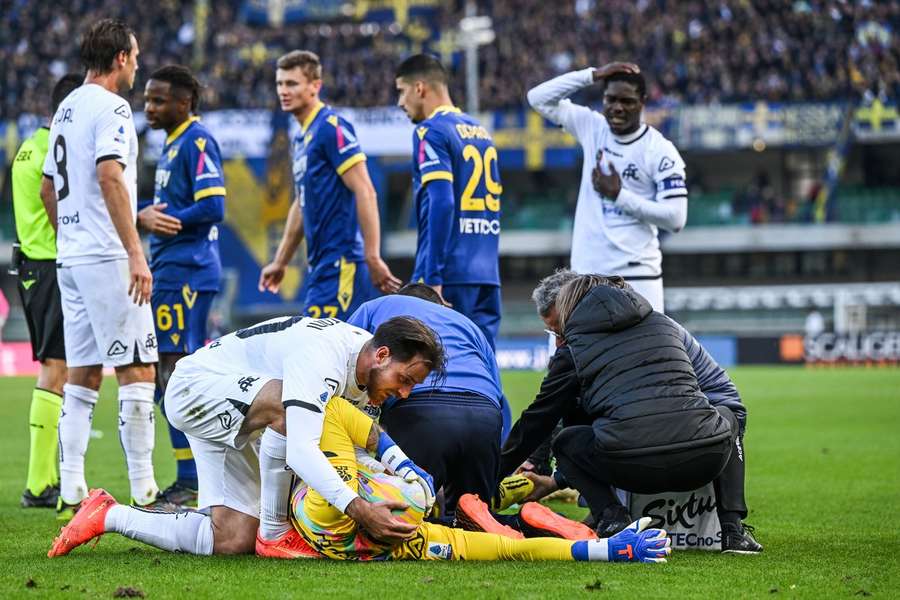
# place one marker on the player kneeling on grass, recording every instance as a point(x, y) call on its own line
point(332, 534)
point(276, 376)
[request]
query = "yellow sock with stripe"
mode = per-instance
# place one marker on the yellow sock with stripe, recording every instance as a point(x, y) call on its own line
point(43, 420)
point(444, 542)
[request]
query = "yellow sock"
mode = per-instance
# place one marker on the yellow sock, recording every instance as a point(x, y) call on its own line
point(43, 419)
point(436, 542)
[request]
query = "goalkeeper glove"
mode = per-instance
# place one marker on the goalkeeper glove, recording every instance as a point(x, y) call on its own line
point(397, 463)
point(636, 543)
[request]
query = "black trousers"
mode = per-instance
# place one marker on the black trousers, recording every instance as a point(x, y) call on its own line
point(595, 473)
point(453, 436)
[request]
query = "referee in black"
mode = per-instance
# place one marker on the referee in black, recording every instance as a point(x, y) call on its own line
point(34, 263)
point(626, 382)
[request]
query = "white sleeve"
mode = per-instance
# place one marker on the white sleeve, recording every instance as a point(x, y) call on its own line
point(668, 214)
point(550, 99)
point(310, 380)
point(112, 133)
point(669, 210)
point(49, 168)
point(305, 458)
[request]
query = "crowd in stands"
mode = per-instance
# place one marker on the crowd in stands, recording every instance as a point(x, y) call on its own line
point(692, 51)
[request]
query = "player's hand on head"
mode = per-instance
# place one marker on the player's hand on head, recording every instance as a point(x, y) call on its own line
point(381, 275)
point(154, 220)
point(615, 68)
point(607, 185)
point(270, 278)
point(140, 286)
point(440, 292)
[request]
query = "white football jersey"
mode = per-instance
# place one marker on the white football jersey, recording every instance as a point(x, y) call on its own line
point(92, 124)
point(617, 237)
point(314, 358)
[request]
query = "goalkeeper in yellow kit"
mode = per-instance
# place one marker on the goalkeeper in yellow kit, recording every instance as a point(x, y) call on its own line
point(391, 476)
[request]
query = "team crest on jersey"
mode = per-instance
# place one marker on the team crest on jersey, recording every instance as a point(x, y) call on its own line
point(666, 163)
point(173, 153)
point(630, 172)
point(427, 156)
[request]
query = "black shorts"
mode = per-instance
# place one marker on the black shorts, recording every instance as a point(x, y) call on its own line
point(453, 436)
point(43, 309)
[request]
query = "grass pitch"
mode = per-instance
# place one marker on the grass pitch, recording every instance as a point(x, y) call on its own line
point(823, 486)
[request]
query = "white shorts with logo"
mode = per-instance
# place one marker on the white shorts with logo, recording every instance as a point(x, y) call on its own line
point(101, 323)
point(209, 408)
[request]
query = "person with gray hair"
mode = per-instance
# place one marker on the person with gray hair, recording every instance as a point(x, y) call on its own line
point(680, 428)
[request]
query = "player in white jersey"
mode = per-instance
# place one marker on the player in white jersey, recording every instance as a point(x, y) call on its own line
point(277, 376)
point(90, 177)
point(632, 180)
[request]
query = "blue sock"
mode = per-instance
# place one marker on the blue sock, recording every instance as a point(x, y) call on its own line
point(184, 458)
point(187, 468)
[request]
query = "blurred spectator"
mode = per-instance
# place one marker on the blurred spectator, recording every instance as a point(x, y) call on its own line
point(693, 51)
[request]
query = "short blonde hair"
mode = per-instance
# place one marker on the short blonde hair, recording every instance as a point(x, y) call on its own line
point(573, 292)
point(307, 61)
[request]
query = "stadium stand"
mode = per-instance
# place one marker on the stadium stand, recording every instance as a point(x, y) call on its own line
point(695, 52)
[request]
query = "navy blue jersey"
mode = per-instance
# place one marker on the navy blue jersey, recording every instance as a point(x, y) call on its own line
point(471, 366)
point(189, 179)
point(325, 149)
point(456, 244)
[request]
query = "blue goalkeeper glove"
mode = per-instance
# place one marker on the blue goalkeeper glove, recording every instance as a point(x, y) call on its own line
point(397, 463)
point(636, 543)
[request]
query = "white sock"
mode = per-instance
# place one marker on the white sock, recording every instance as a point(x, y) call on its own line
point(189, 532)
point(275, 485)
point(137, 434)
point(593, 550)
point(74, 434)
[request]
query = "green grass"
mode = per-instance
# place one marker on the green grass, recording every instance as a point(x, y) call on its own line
point(823, 452)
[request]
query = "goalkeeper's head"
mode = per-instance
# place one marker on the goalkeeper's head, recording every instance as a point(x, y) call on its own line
point(422, 83)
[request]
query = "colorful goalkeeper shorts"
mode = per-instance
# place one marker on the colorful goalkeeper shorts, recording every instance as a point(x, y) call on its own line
point(337, 535)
